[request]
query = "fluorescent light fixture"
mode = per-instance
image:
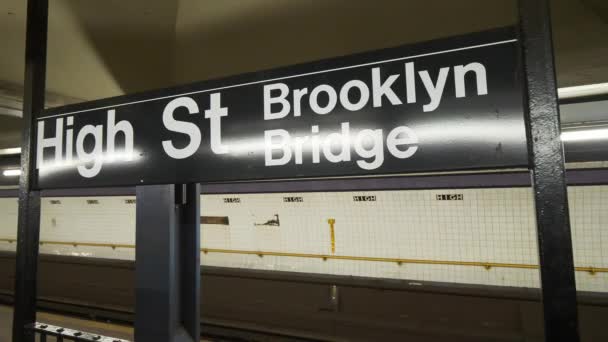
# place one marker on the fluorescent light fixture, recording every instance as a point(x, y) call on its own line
point(11, 173)
point(582, 90)
point(587, 134)
point(7, 151)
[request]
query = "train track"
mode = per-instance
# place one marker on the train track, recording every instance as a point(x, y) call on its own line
point(250, 305)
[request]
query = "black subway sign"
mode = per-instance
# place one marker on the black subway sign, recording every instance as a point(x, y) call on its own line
point(452, 104)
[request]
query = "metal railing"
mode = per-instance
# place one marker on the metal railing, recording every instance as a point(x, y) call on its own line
point(488, 265)
point(59, 334)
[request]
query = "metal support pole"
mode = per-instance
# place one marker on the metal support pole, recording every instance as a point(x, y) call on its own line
point(28, 231)
point(167, 263)
point(191, 260)
point(548, 174)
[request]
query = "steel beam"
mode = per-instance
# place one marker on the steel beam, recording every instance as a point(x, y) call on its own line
point(167, 263)
point(548, 174)
point(28, 231)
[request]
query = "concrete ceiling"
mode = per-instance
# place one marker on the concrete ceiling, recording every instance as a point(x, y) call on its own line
point(105, 48)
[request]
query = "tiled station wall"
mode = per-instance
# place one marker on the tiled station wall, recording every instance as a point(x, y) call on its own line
point(471, 225)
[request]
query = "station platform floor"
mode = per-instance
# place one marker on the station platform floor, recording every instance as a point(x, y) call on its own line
point(107, 329)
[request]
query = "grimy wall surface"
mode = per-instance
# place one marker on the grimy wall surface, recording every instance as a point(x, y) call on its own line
point(456, 235)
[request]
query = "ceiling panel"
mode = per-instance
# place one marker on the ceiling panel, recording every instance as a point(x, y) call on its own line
point(105, 48)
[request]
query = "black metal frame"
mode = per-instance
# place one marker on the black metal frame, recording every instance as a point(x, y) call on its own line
point(547, 162)
point(167, 263)
point(167, 253)
point(28, 233)
point(515, 179)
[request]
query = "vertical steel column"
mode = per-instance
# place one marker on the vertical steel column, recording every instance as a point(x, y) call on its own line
point(548, 174)
point(190, 260)
point(167, 263)
point(28, 230)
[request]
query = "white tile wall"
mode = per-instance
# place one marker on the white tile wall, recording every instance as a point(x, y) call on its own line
point(589, 217)
point(8, 218)
point(488, 225)
point(108, 220)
